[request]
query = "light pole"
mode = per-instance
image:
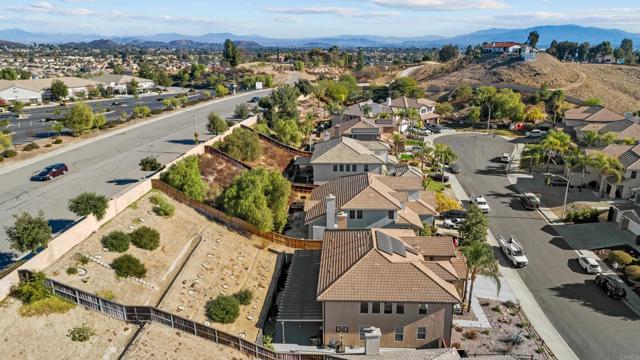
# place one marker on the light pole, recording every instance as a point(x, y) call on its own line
point(489, 118)
point(566, 191)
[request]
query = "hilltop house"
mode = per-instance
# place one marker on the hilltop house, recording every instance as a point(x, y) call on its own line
point(402, 284)
point(369, 201)
point(503, 47)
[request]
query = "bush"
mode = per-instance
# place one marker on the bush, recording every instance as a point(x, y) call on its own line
point(223, 309)
point(633, 271)
point(116, 241)
point(72, 270)
point(162, 206)
point(9, 153)
point(30, 146)
point(470, 334)
point(32, 289)
point(50, 305)
point(185, 176)
point(216, 124)
point(81, 258)
point(106, 294)
point(81, 333)
point(445, 203)
point(242, 111)
point(244, 296)
point(242, 144)
point(89, 203)
point(150, 164)
point(141, 111)
point(57, 141)
point(145, 237)
point(581, 216)
point(620, 257)
point(127, 265)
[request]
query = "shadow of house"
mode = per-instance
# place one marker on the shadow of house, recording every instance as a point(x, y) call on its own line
point(596, 300)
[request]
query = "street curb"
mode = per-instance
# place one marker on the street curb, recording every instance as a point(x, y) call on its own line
point(152, 120)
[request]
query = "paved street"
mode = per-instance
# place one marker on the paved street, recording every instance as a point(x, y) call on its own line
point(595, 326)
point(106, 166)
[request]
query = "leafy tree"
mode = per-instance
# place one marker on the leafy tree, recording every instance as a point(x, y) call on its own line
point(231, 53)
point(216, 124)
point(127, 265)
point(480, 261)
point(535, 114)
point(117, 241)
point(304, 86)
point(583, 50)
point(79, 118)
point(397, 140)
point(593, 102)
point(242, 111)
point(260, 197)
point(607, 166)
point(150, 163)
point(557, 142)
point(281, 104)
point(223, 309)
point(533, 39)
point(59, 89)
point(89, 203)
point(146, 238)
point(448, 52)
point(28, 233)
point(185, 176)
point(464, 93)
point(445, 109)
point(404, 86)
point(242, 144)
point(298, 65)
point(474, 114)
point(18, 107)
point(287, 131)
point(475, 226)
point(5, 141)
point(8, 74)
point(133, 87)
point(221, 90)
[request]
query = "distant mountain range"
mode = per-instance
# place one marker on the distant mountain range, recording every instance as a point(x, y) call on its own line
point(547, 33)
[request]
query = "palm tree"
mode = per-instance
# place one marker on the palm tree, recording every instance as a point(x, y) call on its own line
point(534, 153)
point(427, 154)
point(608, 138)
point(480, 261)
point(398, 141)
point(579, 159)
point(366, 109)
point(590, 138)
point(557, 142)
point(444, 155)
point(608, 166)
point(555, 100)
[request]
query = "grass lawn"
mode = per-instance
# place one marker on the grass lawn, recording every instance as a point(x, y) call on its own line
point(434, 186)
point(406, 157)
point(415, 143)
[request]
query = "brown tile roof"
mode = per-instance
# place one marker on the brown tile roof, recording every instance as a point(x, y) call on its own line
point(343, 150)
point(407, 216)
point(459, 264)
point(623, 129)
point(353, 268)
point(402, 183)
point(344, 189)
point(443, 269)
point(592, 114)
point(432, 245)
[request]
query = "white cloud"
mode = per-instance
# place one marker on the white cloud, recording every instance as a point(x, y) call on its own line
point(331, 10)
point(42, 5)
point(287, 19)
point(444, 5)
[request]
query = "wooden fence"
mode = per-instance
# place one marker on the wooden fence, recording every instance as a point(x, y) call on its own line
point(277, 143)
point(234, 221)
point(218, 154)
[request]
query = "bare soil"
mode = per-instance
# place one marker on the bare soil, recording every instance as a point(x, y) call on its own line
point(157, 341)
point(217, 172)
point(273, 157)
point(45, 337)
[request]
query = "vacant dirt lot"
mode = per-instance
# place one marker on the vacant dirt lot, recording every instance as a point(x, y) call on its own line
point(273, 157)
point(217, 172)
point(178, 235)
point(224, 263)
point(161, 342)
point(46, 337)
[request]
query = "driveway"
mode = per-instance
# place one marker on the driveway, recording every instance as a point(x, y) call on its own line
point(596, 236)
point(594, 326)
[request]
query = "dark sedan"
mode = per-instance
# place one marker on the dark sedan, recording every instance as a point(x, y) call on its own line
point(453, 214)
point(255, 99)
point(50, 172)
point(439, 177)
point(612, 286)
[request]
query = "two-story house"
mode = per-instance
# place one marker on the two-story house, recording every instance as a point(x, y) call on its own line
point(629, 157)
point(389, 279)
point(369, 201)
point(625, 130)
point(576, 118)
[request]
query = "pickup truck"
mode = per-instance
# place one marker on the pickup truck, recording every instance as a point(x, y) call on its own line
point(535, 133)
point(514, 251)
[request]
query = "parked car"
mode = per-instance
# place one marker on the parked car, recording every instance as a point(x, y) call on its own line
point(556, 181)
point(589, 264)
point(439, 177)
point(453, 214)
point(454, 223)
point(50, 172)
point(530, 201)
point(514, 251)
point(481, 202)
point(612, 286)
point(116, 103)
point(454, 168)
point(255, 99)
point(505, 158)
point(535, 133)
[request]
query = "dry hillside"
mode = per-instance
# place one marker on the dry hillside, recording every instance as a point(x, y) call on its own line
point(617, 85)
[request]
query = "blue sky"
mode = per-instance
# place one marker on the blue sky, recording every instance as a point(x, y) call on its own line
point(305, 18)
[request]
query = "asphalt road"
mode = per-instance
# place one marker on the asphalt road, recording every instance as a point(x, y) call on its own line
point(34, 125)
point(594, 326)
point(106, 166)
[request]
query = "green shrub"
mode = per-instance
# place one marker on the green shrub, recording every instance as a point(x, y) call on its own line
point(30, 146)
point(57, 141)
point(81, 333)
point(162, 206)
point(72, 270)
point(116, 241)
point(145, 237)
point(632, 271)
point(223, 309)
point(150, 164)
point(470, 334)
point(581, 216)
point(46, 306)
point(267, 341)
point(244, 296)
point(81, 258)
point(9, 153)
point(127, 265)
point(185, 176)
point(33, 289)
point(89, 203)
point(621, 257)
point(106, 294)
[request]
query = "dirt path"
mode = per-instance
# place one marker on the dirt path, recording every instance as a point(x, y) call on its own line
point(582, 77)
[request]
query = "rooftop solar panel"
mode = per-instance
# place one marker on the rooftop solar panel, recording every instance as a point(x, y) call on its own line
point(384, 243)
point(398, 247)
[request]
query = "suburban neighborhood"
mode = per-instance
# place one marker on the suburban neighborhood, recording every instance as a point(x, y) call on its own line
point(301, 195)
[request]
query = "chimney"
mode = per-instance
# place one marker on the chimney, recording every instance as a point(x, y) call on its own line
point(372, 341)
point(341, 220)
point(388, 101)
point(331, 211)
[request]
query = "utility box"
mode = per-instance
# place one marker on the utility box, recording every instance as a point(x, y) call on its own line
point(258, 85)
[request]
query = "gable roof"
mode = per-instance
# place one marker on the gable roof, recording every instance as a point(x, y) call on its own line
point(623, 129)
point(628, 155)
point(440, 246)
point(343, 150)
point(500, 44)
point(119, 79)
point(354, 267)
point(592, 114)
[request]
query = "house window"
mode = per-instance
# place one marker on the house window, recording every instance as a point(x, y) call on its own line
point(400, 309)
point(421, 334)
point(362, 332)
point(335, 168)
point(366, 167)
point(398, 333)
point(422, 309)
point(364, 308)
point(348, 167)
point(388, 308)
point(358, 214)
point(391, 214)
point(341, 167)
point(375, 308)
point(352, 214)
point(634, 174)
point(354, 167)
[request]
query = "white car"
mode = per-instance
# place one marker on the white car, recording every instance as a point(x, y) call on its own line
point(535, 133)
point(589, 264)
point(505, 158)
point(455, 223)
point(481, 203)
